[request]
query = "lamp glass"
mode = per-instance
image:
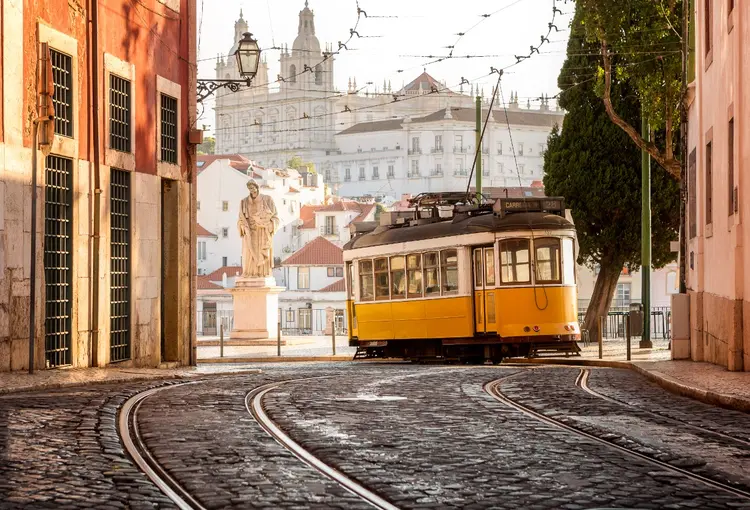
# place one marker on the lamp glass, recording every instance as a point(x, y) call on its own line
point(248, 56)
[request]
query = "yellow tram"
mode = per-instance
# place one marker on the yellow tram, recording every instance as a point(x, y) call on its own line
point(458, 278)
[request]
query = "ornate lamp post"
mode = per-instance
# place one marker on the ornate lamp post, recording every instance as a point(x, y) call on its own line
point(248, 58)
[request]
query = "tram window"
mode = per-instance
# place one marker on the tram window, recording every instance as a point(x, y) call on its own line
point(514, 261)
point(449, 271)
point(366, 286)
point(478, 268)
point(414, 275)
point(431, 274)
point(381, 279)
point(569, 262)
point(547, 260)
point(489, 266)
point(398, 278)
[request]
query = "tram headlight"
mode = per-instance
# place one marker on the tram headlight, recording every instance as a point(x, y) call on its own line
point(536, 329)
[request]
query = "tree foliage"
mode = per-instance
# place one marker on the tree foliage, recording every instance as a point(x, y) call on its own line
point(593, 164)
point(640, 41)
point(208, 146)
point(297, 163)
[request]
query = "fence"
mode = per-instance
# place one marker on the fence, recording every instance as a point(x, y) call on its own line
point(210, 321)
point(295, 322)
point(615, 323)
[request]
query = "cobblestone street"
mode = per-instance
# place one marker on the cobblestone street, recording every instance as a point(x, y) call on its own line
point(416, 436)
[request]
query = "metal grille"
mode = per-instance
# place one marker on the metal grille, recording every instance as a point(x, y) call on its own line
point(119, 113)
point(58, 230)
point(119, 339)
point(62, 99)
point(168, 129)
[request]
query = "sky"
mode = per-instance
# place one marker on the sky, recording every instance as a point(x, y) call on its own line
point(396, 39)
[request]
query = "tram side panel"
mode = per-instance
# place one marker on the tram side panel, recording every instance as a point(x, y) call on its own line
point(520, 314)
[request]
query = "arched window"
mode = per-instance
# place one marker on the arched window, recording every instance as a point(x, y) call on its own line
point(293, 73)
point(318, 75)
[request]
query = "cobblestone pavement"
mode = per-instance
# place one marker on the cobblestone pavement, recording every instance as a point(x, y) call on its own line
point(420, 436)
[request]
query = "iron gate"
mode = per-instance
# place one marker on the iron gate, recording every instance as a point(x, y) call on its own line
point(119, 339)
point(58, 232)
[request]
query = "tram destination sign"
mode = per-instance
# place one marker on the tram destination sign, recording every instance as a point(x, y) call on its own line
point(535, 204)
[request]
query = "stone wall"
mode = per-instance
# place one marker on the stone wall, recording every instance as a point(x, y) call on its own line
point(720, 330)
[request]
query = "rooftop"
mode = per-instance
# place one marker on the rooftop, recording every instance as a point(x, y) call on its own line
point(204, 283)
point(202, 231)
point(318, 252)
point(338, 286)
point(231, 272)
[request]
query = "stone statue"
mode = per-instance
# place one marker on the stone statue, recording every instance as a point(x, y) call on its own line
point(257, 224)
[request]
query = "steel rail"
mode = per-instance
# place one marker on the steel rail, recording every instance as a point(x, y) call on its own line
point(582, 381)
point(255, 408)
point(493, 389)
point(133, 442)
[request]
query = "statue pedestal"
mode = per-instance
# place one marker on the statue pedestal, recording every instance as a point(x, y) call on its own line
point(256, 310)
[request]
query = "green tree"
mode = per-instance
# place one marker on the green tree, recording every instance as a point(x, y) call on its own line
point(592, 163)
point(297, 163)
point(208, 146)
point(640, 41)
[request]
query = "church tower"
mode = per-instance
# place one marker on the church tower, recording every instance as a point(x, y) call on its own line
point(303, 68)
point(226, 67)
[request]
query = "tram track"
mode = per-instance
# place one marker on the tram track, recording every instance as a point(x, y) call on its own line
point(582, 381)
point(136, 447)
point(493, 389)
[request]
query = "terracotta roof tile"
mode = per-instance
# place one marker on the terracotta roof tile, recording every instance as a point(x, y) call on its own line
point(307, 215)
point(204, 283)
point(366, 210)
point(318, 252)
point(202, 231)
point(231, 272)
point(292, 190)
point(207, 159)
point(338, 286)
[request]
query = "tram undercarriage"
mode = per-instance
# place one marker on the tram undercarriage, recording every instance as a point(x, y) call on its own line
point(469, 350)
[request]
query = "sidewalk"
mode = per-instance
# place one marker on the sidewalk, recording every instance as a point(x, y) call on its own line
point(297, 348)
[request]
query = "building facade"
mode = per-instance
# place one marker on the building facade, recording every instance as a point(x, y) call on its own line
point(436, 152)
point(718, 265)
point(113, 256)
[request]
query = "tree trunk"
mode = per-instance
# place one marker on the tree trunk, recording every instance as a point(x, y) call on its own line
point(604, 289)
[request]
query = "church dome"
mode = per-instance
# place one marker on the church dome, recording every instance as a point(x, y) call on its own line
point(306, 40)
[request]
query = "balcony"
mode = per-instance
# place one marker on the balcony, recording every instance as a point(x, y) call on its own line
point(460, 173)
point(415, 151)
point(414, 175)
point(436, 150)
point(460, 150)
point(436, 173)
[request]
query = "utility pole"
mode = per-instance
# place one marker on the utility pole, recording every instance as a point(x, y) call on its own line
point(479, 146)
point(645, 342)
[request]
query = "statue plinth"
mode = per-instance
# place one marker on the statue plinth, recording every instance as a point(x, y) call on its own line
point(256, 310)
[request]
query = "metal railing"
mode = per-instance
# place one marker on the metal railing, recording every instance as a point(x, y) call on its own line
point(314, 323)
point(210, 321)
point(615, 322)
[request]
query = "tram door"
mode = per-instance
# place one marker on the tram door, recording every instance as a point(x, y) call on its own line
point(484, 290)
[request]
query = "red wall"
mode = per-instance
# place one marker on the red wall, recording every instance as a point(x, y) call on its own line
point(145, 33)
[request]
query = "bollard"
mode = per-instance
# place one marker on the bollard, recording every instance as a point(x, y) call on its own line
point(601, 335)
point(627, 335)
point(221, 340)
point(333, 336)
point(278, 340)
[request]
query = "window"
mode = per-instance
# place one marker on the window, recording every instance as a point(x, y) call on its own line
point(339, 272)
point(381, 279)
point(460, 167)
point(391, 171)
point(290, 316)
point(500, 168)
point(485, 168)
point(439, 143)
point(224, 262)
point(622, 295)
point(225, 206)
point(168, 129)
point(225, 232)
point(347, 174)
point(438, 169)
point(415, 144)
point(692, 198)
point(449, 271)
point(398, 278)
point(431, 274)
point(375, 173)
point(330, 228)
point(119, 113)
point(366, 285)
point(521, 169)
point(709, 183)
point(708, 20)
point(414, 168)
point(303, 278)
point(305, 318)
point(201, 250)
point(730, 167)
point(514, 261)
point(293, 73)
point(327, 175)
point(318, 74)
point(500, 148)
point(62, 98)
point(361, 173)
point(478, 268)
point(459, 142)
point(569, 269)
point(520, 149)
point(547, 260)
point(331, 272)
point(414, 275)
point(489, 267)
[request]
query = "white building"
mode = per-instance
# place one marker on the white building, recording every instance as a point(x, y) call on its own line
point(316, 292)
point(222, 184)
point(436, 152)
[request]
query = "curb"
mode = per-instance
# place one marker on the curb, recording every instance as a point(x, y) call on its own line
point(137, 379)
point(667, 382)
point(273, 359)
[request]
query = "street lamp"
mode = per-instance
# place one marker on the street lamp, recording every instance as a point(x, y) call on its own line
point(248, 59)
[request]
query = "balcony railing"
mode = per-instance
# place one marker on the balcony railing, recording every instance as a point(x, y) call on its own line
point(436, 173)
point(459, 149)
point(413, 152)
point(436, 150)
point(414, 175)
point(460, 172)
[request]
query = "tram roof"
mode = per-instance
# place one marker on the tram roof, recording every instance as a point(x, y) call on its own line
point(385, 235)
